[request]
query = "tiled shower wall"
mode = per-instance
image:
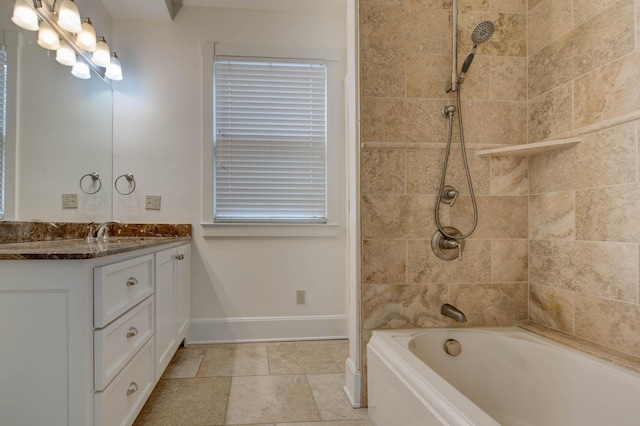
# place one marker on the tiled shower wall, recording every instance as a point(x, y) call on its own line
point(584, 207)
point(557, 240)
point(405, 67)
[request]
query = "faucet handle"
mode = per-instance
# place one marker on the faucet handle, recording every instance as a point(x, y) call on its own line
point(459, 246)
point(90, 237)
point(449, 195)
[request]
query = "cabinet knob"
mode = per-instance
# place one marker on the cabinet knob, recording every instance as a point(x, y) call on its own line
point(180, 257)
point(133, 388)
point(132, 332)
point(132, 281)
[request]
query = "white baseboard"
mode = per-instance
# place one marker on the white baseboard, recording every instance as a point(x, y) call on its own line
point(263, 329)
point(352, 386)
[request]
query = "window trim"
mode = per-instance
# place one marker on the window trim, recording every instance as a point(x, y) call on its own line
point(335, 188)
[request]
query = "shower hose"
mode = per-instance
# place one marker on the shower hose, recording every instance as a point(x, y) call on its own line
point(449, 115)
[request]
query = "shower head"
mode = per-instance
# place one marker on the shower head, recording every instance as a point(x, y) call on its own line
point(482, 32)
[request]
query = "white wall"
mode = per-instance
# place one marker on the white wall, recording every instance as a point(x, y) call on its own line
point(243, 288)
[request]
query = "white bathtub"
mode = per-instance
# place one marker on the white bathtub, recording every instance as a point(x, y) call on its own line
point(504, 376)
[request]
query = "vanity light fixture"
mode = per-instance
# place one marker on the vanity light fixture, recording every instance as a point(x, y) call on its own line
point(65, 55)
point(86, 39)
point(102, 54)
point(47, 37)
point(59, 20)
point(68, 15)
point(114, 70)
point(81, 70)
point(24, 16)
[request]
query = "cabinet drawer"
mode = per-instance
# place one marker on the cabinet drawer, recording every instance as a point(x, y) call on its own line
point(120, 286)
point(117, 343)
point(123, 399)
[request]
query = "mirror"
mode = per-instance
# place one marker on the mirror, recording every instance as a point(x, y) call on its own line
point(64, 132)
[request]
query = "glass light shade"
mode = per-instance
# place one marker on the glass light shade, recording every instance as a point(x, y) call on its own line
point(24, 16)
point(102, 55)
point(114, 70)
point(65, 55)
point(81, 70)
point(86, 39)
point(69, 16)
point(47, 37)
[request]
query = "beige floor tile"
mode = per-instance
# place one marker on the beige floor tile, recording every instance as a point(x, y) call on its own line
point(330, 398)
point(340, 353)
point(330, 423)
point(185, 364)
point(261, 399)
point(186, 402)
point(234, 361)
point(302, 358)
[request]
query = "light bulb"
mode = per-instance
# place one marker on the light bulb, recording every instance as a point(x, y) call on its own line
point(86, 39)
point(69, 16)
point(81, 70)
point(65, 55)
point(102, 55)
point(24, 16)
point(114, 70)
point(47, 37)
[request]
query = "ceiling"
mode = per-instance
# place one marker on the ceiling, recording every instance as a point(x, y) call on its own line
point(162, 10)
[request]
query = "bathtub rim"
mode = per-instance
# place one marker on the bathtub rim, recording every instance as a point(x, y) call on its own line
point(442, 398)
point(433, 391)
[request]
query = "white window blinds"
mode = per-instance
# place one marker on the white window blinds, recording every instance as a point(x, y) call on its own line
point(3, 122)
point(270, 124)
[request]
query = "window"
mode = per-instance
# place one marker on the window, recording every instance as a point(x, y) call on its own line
point(270, 141)
point(3, 123)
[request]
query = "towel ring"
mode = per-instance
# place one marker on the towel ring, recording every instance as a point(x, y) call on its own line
point(94, 177)
point(129, 177)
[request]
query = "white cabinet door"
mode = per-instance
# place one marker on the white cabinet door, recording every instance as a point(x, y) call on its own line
point(173, 302)
point(183, 291)
point(166, 334)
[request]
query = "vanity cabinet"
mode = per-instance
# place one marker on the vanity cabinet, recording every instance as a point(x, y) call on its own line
point(123, 320)
point(173, 302)
point(79, 336)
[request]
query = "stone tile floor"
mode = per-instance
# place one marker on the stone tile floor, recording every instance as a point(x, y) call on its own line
point(268, 384)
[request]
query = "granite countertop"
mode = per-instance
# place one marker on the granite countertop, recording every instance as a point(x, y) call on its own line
point(79, 248)
point(65, 240)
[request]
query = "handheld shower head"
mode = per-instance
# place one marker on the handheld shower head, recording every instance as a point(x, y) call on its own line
point(481, 33)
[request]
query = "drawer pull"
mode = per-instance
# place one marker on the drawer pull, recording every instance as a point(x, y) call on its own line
point(132, 281)
point(132, 332)
point(133, 388)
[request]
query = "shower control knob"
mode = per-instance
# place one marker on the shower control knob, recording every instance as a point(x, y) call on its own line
point(449, 195)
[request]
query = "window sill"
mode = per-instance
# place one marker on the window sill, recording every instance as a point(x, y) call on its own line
point(270, 230)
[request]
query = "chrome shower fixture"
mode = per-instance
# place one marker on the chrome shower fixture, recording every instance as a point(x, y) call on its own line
point(481, 33)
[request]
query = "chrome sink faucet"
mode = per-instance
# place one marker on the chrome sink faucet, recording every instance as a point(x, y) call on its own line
point(102, 231)
point(452, 312)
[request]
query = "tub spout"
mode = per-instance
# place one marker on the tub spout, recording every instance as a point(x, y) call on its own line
point(452, 312)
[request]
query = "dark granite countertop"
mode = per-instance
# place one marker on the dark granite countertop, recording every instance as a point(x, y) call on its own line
point(79, 248)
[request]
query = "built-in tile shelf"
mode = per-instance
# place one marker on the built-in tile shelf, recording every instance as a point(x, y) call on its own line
point(529, 148)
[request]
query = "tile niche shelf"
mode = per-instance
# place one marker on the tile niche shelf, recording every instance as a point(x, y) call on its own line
point(529, 148)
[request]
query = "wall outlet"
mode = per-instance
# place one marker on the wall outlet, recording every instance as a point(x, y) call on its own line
point(300, 295)
point(69, 201)
point(152, 202)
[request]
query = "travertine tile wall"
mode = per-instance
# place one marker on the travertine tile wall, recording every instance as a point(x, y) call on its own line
point(405, 67)
point(584, 207)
